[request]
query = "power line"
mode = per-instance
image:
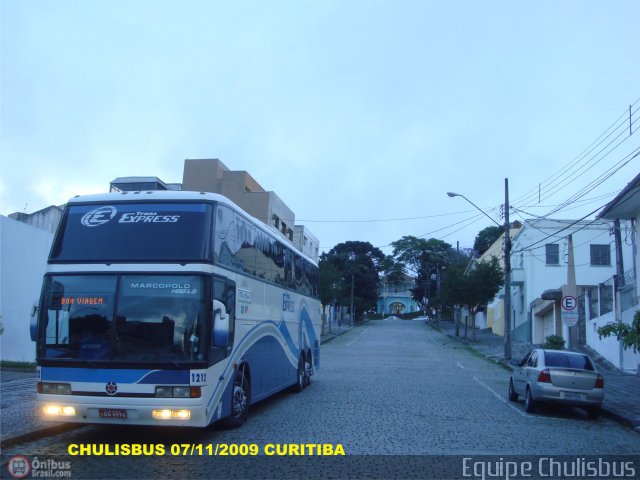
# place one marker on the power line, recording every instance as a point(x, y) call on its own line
point(598, 181)
point(561, 230)
point(556, 178)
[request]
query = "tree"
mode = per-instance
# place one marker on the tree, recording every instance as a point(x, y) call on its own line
point(392, 271)
point(425, 259)
point(486, 238)
point(475, 288)
point(357, 263)
point(330, 285)
point(628, 334)
point(409, 251)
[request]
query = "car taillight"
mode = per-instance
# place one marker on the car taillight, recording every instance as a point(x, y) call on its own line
point(599, 381)
point(544, 376)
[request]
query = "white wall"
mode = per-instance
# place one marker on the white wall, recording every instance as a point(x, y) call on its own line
point(23, 257)
point(609, 347)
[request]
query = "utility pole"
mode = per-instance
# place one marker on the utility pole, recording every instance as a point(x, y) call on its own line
point(351, 311)
point(455, 311)
point(507, 274)
point(618, 282)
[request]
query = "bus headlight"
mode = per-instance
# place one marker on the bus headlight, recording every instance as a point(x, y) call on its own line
point(167, 414)
point(58, 410)
point(54, 388)
point(178, 392)
point(164, 392)
point(161, 414)
point(181, 392)
point(181, 414)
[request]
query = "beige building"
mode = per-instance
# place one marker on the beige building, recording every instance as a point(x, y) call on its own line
point(306, 241)
point(211, 175)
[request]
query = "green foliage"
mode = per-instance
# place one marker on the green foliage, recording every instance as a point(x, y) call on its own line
point(425, 259)
point(475, 288)
point(628, 334)
point(554, 342)
point(486, 238)
point(355, 260)
point(10, 365)
point(392, 271)
point(330, 281)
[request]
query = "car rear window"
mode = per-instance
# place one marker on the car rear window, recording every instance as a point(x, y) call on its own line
point(566, 360)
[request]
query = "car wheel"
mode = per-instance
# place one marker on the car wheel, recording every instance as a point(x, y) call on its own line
point(529, 403)
point(593, 412)
point(513, 396)
point(239, 402)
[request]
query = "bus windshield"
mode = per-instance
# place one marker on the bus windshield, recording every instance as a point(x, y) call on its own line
point(124, 318)
point(127, 232)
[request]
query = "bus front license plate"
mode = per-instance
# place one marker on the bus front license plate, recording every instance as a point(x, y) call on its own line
point(112, 413)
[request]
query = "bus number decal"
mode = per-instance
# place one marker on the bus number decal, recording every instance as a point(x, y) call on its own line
point(198, 377)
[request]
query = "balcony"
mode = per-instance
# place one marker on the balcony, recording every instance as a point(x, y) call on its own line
point(517, 276)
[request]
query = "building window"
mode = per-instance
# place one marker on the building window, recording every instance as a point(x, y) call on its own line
point(600, 255)
point(553, 253)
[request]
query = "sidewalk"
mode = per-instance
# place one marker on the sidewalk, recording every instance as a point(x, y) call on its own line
point(18, 417)
point(19, 421)
point(622, 389)
point(336, 331)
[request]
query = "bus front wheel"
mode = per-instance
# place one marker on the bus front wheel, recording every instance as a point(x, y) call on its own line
point(239, 402)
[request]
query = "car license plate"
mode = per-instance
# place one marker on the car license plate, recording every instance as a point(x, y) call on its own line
point(572, 396)
point(112, 413)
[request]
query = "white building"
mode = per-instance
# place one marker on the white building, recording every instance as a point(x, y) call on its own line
point(23, 257)
point(539, 262)
point(622, 304)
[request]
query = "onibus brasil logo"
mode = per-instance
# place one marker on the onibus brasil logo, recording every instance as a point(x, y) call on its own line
point(20, 466)
point(98, 216)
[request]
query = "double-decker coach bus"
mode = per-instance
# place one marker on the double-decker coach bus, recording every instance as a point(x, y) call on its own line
point(171, 308)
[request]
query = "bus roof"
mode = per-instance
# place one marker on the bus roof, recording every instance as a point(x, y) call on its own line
point(151, 194)
point(182, 195)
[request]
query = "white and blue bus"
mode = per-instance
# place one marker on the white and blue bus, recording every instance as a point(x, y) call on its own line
point(171, 308)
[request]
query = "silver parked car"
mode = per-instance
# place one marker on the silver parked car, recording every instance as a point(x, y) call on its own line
point(557, 376)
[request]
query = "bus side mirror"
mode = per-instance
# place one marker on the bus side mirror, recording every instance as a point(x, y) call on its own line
point(220, 325)
point(33, 326)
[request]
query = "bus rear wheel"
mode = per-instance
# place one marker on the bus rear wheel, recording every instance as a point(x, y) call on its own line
point(308, 371)
point(300, 376)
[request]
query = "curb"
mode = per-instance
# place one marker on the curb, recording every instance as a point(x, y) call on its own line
point(38, 434)
point(331, 336)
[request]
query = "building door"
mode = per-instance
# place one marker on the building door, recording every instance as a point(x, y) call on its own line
point(396, 308)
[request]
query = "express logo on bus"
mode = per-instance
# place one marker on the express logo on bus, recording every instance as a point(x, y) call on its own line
point(98, 216)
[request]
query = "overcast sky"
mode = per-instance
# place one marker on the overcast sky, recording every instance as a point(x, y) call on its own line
point(360, 115)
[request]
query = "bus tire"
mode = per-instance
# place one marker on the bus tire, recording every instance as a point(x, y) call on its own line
point(300, 376)
point(307, 370)
point(239, 401)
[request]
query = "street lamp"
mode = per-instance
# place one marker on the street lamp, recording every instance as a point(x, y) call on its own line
point(507, 264)
point(451, 194)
